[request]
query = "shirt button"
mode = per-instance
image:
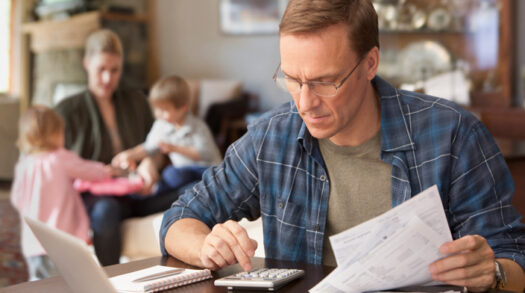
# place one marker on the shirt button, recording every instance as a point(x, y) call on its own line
point(322, 178)
point(281, 205)
point(316, 227)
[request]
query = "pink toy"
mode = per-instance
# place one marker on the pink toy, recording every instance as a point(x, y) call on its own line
point(113, 186)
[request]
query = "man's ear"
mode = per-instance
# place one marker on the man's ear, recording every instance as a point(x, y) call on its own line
point(372, 62)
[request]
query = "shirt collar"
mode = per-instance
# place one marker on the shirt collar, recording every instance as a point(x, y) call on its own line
point(395, 130)
point(187, 125)
point(306, 140)
point(395, 133)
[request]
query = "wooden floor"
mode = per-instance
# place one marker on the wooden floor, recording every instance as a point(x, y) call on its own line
point(12, 265)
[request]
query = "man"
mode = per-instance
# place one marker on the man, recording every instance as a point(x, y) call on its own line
point(348, 148)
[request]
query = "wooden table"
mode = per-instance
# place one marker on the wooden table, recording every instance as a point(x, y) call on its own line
point(313, 274)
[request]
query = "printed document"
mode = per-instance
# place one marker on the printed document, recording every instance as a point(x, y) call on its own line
point(392, 250)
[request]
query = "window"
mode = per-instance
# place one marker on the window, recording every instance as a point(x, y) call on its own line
point(5, 42)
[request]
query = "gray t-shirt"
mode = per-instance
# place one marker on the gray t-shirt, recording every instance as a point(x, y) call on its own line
point(360, 187)
point(193, 133)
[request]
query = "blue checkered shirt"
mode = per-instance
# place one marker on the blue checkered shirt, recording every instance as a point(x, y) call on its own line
point(276, 172)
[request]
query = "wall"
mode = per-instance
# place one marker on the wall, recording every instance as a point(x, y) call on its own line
point(191, 45)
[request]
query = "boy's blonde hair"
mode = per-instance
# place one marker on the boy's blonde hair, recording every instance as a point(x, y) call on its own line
point(103, 41)
point(172, 89)
point(37, 129)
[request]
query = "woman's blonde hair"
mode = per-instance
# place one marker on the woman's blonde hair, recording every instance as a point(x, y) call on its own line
point(103, 41)
point(172, 89)
point(37, 129)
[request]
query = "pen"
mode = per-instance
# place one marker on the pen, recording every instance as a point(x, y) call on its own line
point(159, 275)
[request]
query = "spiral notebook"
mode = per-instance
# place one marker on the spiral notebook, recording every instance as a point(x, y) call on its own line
point(140, 281)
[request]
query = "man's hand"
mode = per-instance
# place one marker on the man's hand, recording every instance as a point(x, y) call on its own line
point(470, 263)
point(227, 244)
point(148, 171)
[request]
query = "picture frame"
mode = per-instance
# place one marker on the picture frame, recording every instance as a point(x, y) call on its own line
point(246, 17)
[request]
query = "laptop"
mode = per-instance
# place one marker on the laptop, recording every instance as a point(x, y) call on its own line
point(72, 258)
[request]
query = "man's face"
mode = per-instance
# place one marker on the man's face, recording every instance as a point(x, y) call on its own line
point(103, 71)
point(326, 56)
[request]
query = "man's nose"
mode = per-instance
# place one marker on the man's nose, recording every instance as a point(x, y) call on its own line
point(307, 99)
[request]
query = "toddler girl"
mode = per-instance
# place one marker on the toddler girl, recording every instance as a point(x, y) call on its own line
point(43, 184)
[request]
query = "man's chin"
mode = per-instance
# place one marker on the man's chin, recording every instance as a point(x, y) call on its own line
point(319, 133)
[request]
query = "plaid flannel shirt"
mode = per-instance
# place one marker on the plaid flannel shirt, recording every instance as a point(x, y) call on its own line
point(276, 171)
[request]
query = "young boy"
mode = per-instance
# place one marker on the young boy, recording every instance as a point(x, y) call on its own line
point(184, 138)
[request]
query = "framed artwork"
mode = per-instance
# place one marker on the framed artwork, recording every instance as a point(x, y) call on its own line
point(240, 17)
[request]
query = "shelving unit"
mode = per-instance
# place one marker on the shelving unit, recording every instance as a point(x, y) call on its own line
point(69, 35)
point(492, 86)
point(491, 95)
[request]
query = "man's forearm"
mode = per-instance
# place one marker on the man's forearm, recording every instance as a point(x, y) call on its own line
point(515, 275)
point(184, 240)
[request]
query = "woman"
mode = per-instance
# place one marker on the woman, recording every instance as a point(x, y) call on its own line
point(101, 122)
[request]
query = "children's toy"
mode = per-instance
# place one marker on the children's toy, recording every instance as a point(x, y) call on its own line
point(114, 186)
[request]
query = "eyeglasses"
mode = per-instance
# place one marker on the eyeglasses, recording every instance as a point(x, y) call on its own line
point(320, 88)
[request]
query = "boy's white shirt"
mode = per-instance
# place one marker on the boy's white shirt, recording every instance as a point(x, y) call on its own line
point(193, 133)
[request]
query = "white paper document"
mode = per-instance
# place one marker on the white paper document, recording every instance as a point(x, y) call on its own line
point(392, 250)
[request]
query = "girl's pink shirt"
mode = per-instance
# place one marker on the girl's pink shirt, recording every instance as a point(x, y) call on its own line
point(43, 189)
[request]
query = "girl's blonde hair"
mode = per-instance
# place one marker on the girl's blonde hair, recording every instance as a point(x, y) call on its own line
point(37, 129)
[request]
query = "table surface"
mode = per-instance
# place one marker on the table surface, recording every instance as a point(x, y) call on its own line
point(313, 274)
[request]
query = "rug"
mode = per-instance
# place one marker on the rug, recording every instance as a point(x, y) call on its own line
point(12, 265)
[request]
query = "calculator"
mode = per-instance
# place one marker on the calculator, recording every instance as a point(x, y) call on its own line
point(268, 279)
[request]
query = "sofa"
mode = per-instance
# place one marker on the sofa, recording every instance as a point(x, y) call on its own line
point(141, 235)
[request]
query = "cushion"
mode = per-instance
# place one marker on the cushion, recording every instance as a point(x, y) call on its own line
point(194, 94)
point(215, 91)
point(255, 231)
point(140, 237)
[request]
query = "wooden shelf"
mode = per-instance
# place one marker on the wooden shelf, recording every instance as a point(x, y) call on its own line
point(62, 34)
point(496, 72)
point(71, 33)
point(124, 17)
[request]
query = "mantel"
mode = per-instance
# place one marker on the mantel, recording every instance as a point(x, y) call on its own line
point(70, 33)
